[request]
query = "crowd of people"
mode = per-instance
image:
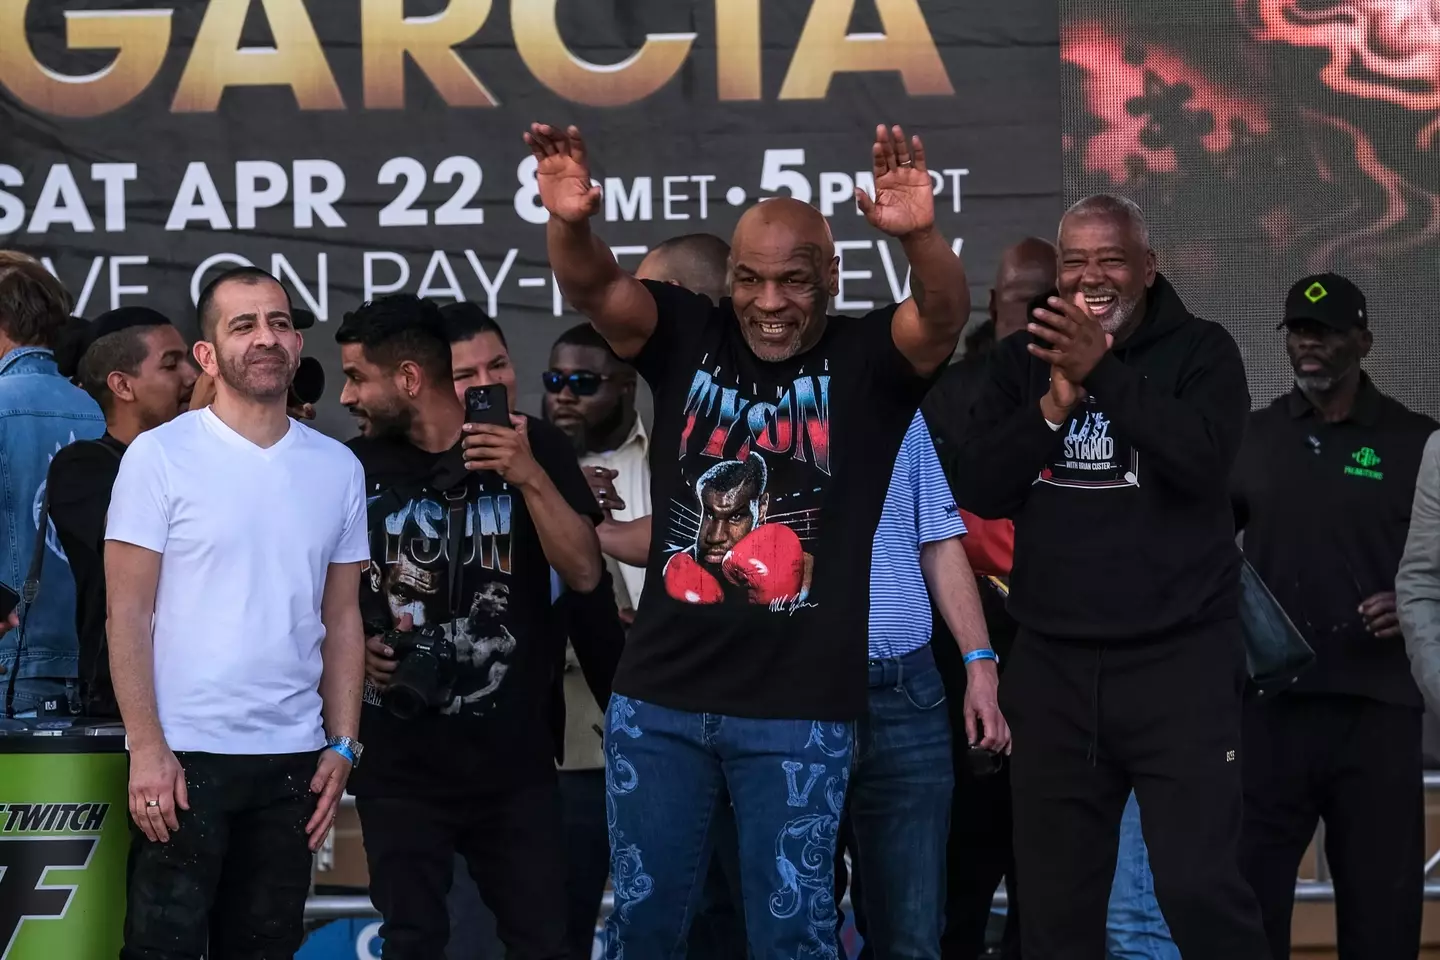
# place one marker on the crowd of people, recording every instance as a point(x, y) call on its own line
point(848, 626)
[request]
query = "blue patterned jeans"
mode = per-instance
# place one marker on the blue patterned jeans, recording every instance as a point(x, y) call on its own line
point(665, 770)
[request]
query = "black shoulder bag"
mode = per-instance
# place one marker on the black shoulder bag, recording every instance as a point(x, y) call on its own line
point(1275, 652)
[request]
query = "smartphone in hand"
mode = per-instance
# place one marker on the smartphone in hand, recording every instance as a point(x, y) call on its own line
point(1041, 302)
point(488, 404)
point(9, 600)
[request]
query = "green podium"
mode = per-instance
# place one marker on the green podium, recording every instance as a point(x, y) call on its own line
point(64, 838)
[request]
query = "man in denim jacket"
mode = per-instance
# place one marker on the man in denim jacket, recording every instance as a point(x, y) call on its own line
point(40, 412)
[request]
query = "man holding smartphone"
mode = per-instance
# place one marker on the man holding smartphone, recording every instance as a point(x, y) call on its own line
point(1108, 435)
point(458, 608)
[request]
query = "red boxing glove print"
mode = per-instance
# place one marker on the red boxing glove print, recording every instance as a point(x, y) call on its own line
point(688, 581)
point(769, 563)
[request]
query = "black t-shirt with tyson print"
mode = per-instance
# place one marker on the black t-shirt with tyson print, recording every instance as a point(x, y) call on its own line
point(767, 481)
point(495, 734)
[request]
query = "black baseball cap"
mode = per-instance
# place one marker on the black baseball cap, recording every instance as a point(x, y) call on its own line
point(1327, 298)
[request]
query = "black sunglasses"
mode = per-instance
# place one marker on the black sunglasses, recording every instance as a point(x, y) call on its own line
point(582, 383)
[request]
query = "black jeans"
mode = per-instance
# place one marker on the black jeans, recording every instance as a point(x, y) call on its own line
point(236, 873)
point(1089, 723)
point(1356, 764)
point(587, 842)
point(511, 841)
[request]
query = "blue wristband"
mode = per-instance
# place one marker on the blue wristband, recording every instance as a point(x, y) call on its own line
point(344, 751)
point(985, 654)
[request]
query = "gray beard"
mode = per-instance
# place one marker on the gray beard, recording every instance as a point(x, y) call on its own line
point(1316, 383)
point(1120, 317)
point(1322, 383)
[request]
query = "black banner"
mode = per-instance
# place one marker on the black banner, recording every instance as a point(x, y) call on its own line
point(356, 147)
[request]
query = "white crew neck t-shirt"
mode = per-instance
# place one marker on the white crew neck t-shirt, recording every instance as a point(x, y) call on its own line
point(246, 536)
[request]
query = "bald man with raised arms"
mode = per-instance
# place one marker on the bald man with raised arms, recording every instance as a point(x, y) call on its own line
point(775, 428)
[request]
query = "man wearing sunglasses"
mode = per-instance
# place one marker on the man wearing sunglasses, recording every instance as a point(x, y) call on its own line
point(590, 396)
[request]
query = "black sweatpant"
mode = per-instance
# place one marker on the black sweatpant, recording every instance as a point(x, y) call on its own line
point(236, 873)
point(1091, 721)
point(981, 852)
point(1356, 764)
point(512, 843)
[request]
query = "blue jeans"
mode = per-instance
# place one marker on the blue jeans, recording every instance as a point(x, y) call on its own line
point(898, 815)
point(665, 771)
point(1135, 929)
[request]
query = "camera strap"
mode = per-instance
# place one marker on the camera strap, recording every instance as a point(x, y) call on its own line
point(456, 499)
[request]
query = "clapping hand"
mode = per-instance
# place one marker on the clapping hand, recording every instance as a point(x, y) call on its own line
point(1073, 343)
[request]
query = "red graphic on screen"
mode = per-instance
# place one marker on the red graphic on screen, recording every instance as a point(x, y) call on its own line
point(1118, 88)
point(1212, 129)
point(1379, 49)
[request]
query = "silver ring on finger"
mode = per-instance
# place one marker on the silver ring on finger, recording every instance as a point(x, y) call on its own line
point(152, 803)
point(907, 163)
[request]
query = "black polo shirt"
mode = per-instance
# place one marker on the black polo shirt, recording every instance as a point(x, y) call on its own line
point(1325, 508)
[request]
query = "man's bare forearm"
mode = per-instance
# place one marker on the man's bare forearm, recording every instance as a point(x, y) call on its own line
point(626, 540)
point(132, 574)
point(937, 283)
point(342, 654)
point(952, 586)
point(584, 266)
point(567, 538)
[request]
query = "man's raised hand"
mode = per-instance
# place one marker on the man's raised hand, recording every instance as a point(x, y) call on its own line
point(563, 172)
point(904, 197)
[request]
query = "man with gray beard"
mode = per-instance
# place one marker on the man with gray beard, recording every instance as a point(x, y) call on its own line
point(1107, 435)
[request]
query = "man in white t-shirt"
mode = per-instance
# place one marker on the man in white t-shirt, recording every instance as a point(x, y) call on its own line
point(235, 541)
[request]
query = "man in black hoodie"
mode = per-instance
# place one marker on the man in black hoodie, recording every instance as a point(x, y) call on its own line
point(1107, 435)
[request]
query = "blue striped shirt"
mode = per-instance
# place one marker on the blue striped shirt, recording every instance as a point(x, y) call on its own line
point(919, 508)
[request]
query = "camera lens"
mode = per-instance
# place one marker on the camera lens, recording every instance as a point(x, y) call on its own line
point(404, 703)
point(415, 686)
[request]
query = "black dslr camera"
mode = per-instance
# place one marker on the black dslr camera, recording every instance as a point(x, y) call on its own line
point(425, 670)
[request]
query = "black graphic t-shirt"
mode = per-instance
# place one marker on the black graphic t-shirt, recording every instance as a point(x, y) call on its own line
point(767, 480)
point(495, 732)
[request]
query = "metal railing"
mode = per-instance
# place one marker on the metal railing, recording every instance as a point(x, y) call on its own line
point(1319, 890)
